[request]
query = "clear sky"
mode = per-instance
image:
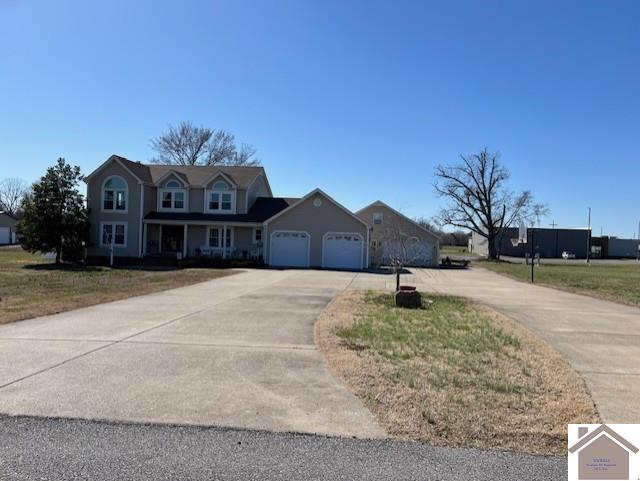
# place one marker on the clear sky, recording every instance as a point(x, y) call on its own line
point(359, 98)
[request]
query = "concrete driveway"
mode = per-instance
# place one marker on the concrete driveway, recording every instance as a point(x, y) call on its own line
point(236, 351)
point(600, 339)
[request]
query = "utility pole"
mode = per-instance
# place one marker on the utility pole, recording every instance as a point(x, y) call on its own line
point(589, 236)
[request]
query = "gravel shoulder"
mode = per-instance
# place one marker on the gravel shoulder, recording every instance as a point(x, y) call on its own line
point(66, 449)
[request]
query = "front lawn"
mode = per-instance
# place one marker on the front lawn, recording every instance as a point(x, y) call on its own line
point(31, 286)
point(453, 373)
point(615, 282)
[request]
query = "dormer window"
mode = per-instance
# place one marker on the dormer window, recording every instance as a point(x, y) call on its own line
point(221, 198)
point(115, 193)
point(173, 196)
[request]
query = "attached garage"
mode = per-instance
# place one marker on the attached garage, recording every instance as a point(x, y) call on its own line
point(316, 231)
point(5, 235)
point(289, 249)
point(417, 253)
point(342, 250)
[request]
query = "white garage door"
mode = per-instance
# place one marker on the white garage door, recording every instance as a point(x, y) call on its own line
point(290, 249)
point(4, 235)
point(342, 251)
point(413, 253)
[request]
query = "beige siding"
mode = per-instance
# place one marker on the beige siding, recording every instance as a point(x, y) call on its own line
point(398, 224)
point(243, 241)
point(150, 199)
point(131, 217)
point(240, 201)
point(197, 236)
point(257, 189)
point(6, 221)
point(317, 221)
point(196, 200)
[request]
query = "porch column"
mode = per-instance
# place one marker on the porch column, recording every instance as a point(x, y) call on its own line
point(160, 240)
point(184, 242)
point(145, 239)
point(224, 241)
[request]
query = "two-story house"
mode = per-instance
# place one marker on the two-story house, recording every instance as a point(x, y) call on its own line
point(137, 210)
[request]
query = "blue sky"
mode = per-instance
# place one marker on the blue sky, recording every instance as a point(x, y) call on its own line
point(362, 99)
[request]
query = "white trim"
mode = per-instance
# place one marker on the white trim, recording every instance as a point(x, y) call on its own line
point(176, 174)
point(286, 231)
point(326, 234)
point(234, 197)
point(113, 158)
point(160, 191)
point(216, 174)
point(126, 200)
point(309, 195)
point(222, 237)
point(379, 202)
point(368, 261)
point(113, 233)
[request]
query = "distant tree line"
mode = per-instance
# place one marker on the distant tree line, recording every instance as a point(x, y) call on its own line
point(457, 237)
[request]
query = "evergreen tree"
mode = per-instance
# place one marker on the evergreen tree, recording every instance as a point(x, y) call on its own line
point(54, 215)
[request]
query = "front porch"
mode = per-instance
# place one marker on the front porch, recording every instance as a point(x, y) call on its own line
point(183, 240)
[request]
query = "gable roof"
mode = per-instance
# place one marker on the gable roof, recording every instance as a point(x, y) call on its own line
point(195, 175)
point(380, 203)
point(325, 195)
point(171, 172)
point(596, 433)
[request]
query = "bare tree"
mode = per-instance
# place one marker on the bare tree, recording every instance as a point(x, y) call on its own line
point(191, 145)
point(399, 249)
point(479, 199)
point(12, 191)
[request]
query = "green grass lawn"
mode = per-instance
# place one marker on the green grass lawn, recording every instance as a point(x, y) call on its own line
point(32, 286)
point(455, 373)
point(615, 282)
point(444, 250)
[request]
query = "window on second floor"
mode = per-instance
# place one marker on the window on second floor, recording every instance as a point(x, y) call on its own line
point(173, 196)
point(115, 194)
point(221, 198)
point(377, 218)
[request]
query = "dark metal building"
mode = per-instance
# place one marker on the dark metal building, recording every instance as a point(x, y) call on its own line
point(549, 243)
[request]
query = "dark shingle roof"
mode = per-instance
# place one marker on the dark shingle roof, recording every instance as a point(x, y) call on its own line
point(262, 209)
point(196, 175)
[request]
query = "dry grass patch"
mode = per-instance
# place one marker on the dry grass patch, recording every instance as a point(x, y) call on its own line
point(31, 286)
point(453, 373)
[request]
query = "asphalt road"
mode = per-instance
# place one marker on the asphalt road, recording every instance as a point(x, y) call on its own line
point(59, 449)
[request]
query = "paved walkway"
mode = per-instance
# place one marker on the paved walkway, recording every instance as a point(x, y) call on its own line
point(600, 339)
point(236, 351)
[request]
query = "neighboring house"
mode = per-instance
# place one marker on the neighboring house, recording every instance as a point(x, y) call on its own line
point(602, 454)
point(229, 212)
point(7, 229)
point(393, 234)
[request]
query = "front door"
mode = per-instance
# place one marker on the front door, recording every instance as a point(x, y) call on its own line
point(172, 237)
